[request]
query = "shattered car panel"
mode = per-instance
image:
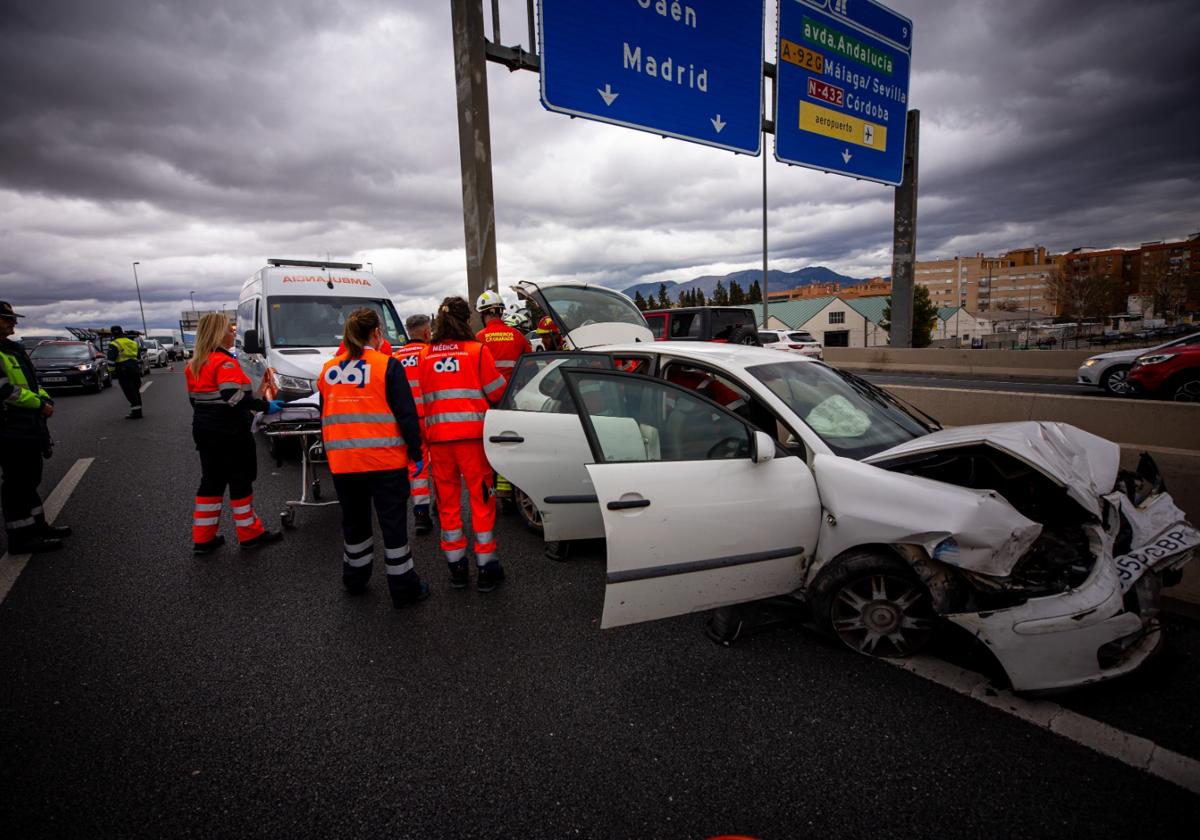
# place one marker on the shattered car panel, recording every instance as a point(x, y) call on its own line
point(1082, 463)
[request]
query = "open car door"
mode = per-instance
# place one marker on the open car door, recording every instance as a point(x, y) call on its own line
point(535, 440)
point(588, 316)
point(700, 510)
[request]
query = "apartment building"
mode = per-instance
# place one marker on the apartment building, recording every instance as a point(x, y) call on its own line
point(1019, 279)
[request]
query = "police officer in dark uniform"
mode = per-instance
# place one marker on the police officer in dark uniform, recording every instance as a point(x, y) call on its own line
point(24, 443)
point(124, 352)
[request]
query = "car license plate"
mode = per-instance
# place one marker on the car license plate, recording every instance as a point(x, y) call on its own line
point(1174, 540)
point(54, 379)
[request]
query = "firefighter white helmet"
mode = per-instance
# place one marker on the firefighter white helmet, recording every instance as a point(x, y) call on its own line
point(489, 300)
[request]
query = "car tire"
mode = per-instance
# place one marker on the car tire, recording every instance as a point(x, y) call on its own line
point(874, 603)
point(97, 386)
point(108, 380)
point(1186, 389)
point(1115, 383)
point(745, 335)
point(531, 517)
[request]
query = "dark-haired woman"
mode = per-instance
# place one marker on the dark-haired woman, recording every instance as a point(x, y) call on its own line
point(369, 424)
point(458, 377)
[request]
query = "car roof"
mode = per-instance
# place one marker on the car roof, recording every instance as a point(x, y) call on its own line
point(62, 341)
point(729, 355)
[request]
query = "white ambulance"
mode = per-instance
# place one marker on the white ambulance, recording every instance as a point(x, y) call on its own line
point(292, 313)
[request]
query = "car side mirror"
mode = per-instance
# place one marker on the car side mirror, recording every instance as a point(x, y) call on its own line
point(250, 342)
point(763, 447)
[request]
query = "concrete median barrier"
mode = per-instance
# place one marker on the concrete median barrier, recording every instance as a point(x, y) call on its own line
point(1131, 422)
point(1051, 365)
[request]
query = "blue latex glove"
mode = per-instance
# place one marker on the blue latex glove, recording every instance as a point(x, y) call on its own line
point(275, 406)
point(420, 468)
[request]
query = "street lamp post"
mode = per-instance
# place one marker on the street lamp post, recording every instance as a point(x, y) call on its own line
point(192, 296)
point(138, 286)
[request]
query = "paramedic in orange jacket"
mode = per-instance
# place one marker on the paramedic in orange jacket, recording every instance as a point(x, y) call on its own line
point(458, 377)
point(222, 411)
point(370, 427)
point(409, 357)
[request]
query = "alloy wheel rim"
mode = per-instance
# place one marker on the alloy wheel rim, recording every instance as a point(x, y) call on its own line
point(1188, 391)
point(883, 615)
point(1118, 381)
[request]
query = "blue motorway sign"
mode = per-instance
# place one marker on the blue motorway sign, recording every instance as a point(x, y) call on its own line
point(690, 69)
point(841, 94)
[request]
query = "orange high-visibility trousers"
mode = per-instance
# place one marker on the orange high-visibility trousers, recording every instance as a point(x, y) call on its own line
point(454, 462)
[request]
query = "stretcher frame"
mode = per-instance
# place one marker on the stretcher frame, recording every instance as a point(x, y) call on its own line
point(310, 485)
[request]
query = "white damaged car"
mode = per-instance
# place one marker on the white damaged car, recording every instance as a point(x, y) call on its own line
point(722, 474)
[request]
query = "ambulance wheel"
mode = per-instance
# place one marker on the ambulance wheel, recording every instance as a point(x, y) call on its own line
point(287, 518)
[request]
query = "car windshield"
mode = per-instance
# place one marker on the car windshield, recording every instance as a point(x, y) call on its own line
point(162, 339)
point(151, 343)
point(316, 321)
point(853, 417)
point(800, 336)
point(61, 351)
point(577, 307)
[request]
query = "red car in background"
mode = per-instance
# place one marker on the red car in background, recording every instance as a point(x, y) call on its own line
point(1169, 373)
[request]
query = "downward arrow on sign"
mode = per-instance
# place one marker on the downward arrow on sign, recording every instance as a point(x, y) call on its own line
point(846, 155)
point(718, 123)
point(607, 94)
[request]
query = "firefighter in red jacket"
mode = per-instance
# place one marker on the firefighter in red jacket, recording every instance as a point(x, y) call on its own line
point(507, 344)
point(458, 377)
point(409, 357)
point(223, 405)
point(371, 432)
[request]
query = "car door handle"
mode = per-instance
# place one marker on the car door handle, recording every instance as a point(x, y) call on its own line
point(507, 437)
point(628, 504)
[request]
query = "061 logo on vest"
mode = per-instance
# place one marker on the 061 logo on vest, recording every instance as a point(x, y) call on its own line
point(356, 372)
point(409, 361)
point(446, 366)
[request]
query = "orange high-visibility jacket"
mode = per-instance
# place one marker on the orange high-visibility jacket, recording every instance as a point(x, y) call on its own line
point(506, 343)
point(409, 357)
point(221, 394)
point(361, 433)
point(457, 380)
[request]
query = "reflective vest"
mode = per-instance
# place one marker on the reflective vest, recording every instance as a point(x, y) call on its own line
point(127, 349)
point(213, 412)
point(361, 433)
point(16, 390)
point(457, 380)
point(409, 357)
point(506, 343)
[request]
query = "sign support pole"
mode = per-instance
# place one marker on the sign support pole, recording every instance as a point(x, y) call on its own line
point(904, 239)
point(474, 147)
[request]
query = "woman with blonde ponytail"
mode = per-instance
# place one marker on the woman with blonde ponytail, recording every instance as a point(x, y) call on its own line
point(222, 412)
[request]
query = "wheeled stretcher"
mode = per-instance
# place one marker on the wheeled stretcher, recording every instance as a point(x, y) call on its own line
point(300, 419)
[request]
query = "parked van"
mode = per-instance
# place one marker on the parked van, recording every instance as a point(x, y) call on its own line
point(291, 316)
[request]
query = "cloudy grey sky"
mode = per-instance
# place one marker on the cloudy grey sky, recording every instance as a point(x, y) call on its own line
point(200, 138)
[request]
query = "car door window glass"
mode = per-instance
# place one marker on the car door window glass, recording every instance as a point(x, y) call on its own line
point(637, 419)
point(658, 325)
point(685, 325)
point(768, 338)
point(537, 383)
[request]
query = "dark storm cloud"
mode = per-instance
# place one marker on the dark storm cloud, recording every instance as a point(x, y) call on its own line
point(201, 137)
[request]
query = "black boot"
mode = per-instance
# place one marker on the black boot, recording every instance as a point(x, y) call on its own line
point(422, 522)
point(34, 545)
point(55, 531)
point(208, 547)
point(407, 589)
point(265, 538)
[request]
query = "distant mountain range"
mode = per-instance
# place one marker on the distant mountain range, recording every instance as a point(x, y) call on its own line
point(777, 281)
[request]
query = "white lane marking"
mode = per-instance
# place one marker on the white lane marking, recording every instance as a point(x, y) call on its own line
point(11, 565)
point(1140, 753)
point(145, 385)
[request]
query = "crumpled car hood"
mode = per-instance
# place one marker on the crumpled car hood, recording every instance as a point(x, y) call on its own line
point(870, 505)
point(1082, 463)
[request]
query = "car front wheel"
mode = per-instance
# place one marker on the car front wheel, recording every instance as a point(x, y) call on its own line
point(1186, 390)
point(875, 604)
point(1116, 381)
point(531, 517)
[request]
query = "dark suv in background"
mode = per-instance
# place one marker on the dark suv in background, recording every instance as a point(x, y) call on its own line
point(726, 324)
point(71, 364)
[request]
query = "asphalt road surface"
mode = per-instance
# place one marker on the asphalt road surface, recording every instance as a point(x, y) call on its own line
point(148, 693)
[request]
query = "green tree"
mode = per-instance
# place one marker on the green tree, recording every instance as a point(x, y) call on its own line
point(639, 301)
point(720, 297)
point(664, 300)
point(736, 295)
point(925, 315)
point(682, 298)
point(700, 301)
point(755, 295)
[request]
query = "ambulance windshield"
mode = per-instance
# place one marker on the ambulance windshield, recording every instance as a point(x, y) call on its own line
point(318, 321)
